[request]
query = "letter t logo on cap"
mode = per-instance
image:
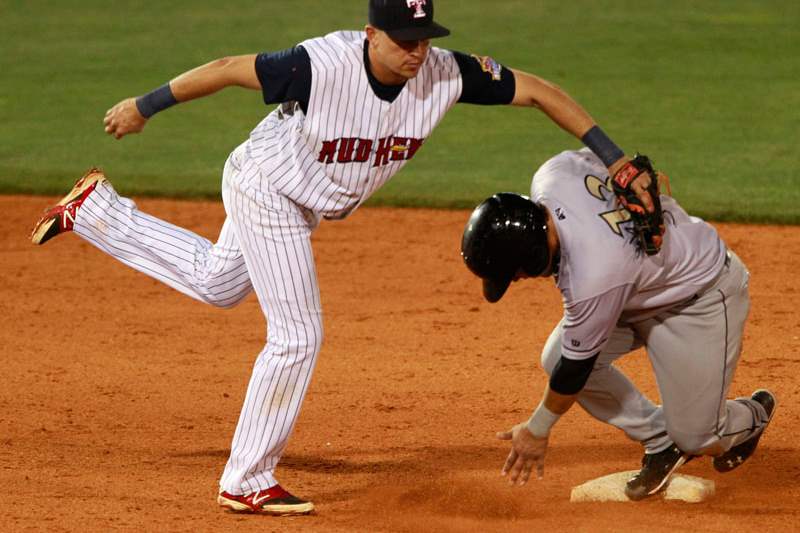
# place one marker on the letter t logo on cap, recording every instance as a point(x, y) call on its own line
point(418, 6)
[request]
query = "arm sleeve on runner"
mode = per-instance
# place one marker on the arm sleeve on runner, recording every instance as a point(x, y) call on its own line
point(570, 376)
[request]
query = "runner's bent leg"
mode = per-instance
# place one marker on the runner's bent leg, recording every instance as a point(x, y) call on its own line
point(609, 396)
point(694, 351)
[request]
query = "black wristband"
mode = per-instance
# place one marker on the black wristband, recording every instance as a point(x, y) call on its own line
point(599, 143)
point(155, 101)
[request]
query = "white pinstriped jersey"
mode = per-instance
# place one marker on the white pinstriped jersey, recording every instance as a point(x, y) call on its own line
point(323, 156)
point(601, 277)
point(350, 142)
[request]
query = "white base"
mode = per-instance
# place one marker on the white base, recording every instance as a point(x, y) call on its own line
point(611, 488)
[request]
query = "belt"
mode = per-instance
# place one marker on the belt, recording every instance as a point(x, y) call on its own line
point(725, 265)
point(713, 282)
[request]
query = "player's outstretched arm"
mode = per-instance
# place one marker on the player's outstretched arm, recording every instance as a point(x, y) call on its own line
point(131, 115)
point(533, 91)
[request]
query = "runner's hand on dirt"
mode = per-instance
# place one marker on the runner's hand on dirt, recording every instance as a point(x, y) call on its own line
point(526, 452)
point(124, 118)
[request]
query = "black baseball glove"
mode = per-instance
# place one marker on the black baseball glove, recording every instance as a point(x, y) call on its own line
point(648, 228)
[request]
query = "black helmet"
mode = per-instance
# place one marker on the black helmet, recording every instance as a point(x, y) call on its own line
point(506, 232)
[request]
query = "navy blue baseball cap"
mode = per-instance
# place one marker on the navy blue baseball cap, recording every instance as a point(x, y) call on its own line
point(405, 20)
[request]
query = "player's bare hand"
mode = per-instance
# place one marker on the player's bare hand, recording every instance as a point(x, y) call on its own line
point(124, 118)
point(526, 453)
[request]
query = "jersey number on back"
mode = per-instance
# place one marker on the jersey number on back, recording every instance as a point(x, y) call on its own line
point(613, 218)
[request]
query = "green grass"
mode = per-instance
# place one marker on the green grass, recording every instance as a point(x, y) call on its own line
point(707, 88)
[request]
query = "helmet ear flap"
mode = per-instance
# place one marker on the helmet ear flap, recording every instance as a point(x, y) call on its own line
point(506, 233)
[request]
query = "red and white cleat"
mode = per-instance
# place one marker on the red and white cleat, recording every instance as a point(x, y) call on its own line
point(273, 501)
point(61, 217)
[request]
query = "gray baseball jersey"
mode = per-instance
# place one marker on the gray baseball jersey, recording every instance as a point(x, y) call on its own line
point(687, 306)
point(601, 276)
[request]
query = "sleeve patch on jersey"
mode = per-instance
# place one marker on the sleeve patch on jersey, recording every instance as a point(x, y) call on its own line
point(490, 66)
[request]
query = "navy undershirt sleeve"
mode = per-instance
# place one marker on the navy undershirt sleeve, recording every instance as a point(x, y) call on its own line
point(481, 84)
point(285, 76)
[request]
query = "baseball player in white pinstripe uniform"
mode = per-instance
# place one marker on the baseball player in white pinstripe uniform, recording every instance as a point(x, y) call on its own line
point(354, 108)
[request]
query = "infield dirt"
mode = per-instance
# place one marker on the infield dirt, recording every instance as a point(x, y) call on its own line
point(119, 395)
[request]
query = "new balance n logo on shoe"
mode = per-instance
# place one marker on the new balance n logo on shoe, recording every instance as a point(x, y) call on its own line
point(61, 217)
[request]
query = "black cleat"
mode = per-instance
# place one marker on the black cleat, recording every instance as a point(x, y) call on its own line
point(741, 452)
point(655, 473)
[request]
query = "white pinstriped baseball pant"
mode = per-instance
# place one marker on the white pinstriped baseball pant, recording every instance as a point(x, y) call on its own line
point(264, 244)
